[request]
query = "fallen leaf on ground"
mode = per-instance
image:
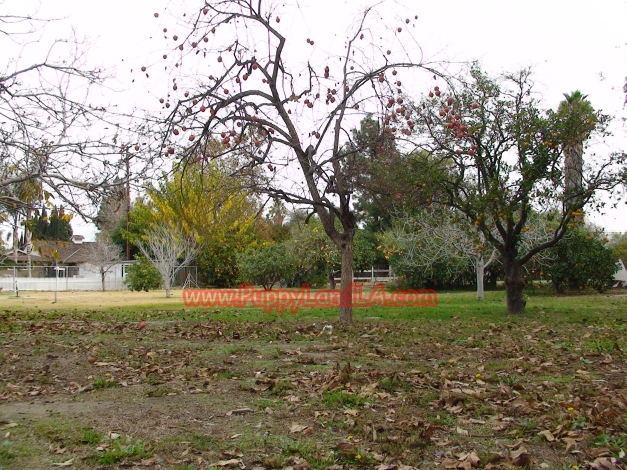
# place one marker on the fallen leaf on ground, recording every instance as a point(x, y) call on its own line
point(298, 427)
point(67, 463)
point(227, 463)
point(148, 462)
point(520, 457)
point(604, 464)
point(570, 443)
point(461, 431)
point(548, 435)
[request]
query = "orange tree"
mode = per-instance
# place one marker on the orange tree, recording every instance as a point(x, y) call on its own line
point(503, 161)
point(237, 75)
point(581, 259)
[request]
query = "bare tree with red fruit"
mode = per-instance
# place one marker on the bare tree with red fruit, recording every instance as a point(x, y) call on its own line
point(236, 80)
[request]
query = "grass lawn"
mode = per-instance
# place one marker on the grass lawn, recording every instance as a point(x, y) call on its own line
point(84, 384)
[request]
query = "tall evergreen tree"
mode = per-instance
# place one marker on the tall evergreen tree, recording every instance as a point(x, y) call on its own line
point(40, 228)
point(59, 227)
point(578, 119)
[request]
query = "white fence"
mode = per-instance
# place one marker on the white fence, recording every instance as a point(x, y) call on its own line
point(374, 274)
point(59, 278)
point(63, 284)
point(76, 278)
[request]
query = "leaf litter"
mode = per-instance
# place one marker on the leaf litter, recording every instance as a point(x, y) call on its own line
point(534, 393)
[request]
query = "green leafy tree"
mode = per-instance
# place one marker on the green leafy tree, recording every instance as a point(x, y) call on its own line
point(386, 181)
point(503, 156)
point(265, 266)
point(314, 254)
point(140, 217)
point(59, 227)
point(40, 227)
point(143, 276)
point(581, 259)
point(217, 262)
point(209, 206)
point(55, 226)
point(17, 200)
point(618, 245)
point(205, 201)
point(273, 227)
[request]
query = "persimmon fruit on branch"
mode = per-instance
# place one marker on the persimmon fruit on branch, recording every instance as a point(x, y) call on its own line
point(240, 89)
point(500, 163)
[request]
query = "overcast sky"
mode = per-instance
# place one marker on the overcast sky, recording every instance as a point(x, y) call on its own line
point(570, 44)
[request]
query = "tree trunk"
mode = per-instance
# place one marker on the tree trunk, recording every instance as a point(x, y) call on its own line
point(331, 278)
point(346, 307)
point(344, 241)
point(167, 284)
point(514, 285)
point(573, 153)
point(103, 274)
point(296, 282)
point(480, 272)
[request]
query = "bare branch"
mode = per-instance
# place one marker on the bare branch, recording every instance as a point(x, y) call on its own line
point(169, 250)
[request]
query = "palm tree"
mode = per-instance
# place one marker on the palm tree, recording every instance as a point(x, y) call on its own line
point(577, 118)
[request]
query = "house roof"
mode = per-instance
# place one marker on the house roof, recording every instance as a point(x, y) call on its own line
point(64, 252)
point(49, 251)
point(22, 257)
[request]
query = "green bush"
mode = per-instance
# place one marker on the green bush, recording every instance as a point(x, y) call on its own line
point(581, 260)
point(217, 263)
point(143, 276)
point(265, 266)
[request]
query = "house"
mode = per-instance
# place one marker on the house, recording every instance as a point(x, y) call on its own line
point(621, 275)
point(51, 260)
